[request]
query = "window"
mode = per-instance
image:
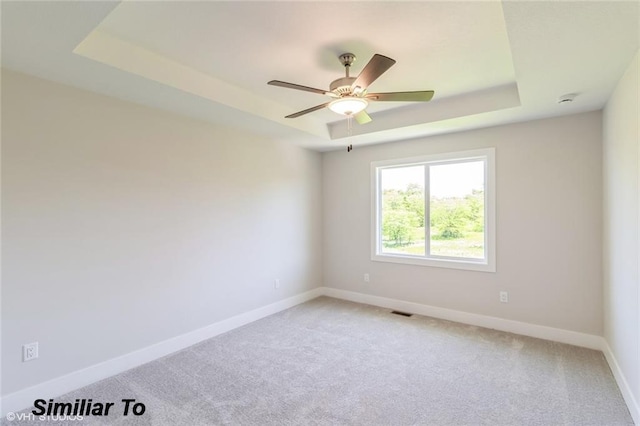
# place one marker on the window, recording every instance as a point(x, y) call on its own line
point(437, 210)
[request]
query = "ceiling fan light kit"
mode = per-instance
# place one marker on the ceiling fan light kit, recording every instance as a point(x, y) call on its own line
point(348, 105)
point(350, 93)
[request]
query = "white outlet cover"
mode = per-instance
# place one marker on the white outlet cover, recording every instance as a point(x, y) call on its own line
point(29, 351)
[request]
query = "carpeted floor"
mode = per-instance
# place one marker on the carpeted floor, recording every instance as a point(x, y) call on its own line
point(330, 362)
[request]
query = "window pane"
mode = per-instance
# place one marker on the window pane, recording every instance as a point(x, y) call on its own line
point(402, 214)
point(457, 209)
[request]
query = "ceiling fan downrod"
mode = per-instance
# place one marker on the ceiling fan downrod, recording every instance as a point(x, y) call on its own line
point(347, 59)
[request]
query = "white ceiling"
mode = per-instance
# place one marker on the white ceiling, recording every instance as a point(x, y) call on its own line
point(489, 62)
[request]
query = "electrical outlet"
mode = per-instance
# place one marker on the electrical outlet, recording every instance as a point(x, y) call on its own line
point(276, 283)
point(366, 278)
point(29, 351)
point(504, 297)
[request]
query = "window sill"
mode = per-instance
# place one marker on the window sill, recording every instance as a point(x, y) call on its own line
point(469, 265)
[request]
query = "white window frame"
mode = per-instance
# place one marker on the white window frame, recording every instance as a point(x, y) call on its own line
point(488, 264)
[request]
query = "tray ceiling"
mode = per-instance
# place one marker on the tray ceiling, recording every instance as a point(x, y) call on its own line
point(489, 62)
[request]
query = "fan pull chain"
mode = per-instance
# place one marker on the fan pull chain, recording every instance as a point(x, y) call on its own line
point(349, 127)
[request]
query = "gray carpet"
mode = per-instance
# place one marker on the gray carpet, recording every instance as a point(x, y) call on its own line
point(330, 362)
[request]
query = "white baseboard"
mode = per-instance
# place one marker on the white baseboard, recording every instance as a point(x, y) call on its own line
point(540, 331)
point(625, 389)
point(53, 388)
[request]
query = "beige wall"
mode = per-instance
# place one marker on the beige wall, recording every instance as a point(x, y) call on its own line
point(621, 225)
point(549, 216)
point(124, 226)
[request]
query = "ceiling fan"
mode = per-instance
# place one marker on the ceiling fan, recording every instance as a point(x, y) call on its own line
point(350, 96)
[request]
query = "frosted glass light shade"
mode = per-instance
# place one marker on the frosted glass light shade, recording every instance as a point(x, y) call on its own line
point(348, 105)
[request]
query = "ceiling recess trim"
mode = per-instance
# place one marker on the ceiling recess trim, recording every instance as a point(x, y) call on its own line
point(107, 49)
point(464, 105)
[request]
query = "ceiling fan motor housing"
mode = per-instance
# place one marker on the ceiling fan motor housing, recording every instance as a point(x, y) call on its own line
point(342, 86)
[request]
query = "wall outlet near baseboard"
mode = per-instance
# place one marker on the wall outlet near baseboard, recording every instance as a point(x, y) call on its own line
point(276, 283)
point(366, 278)
point(504, 297)
point(29, 351)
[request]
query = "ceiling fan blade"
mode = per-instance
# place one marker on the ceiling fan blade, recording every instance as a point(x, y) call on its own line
point(421, 96)
point(307, 111)
point(374, 69)
point(362, 117)
point(298, 87)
